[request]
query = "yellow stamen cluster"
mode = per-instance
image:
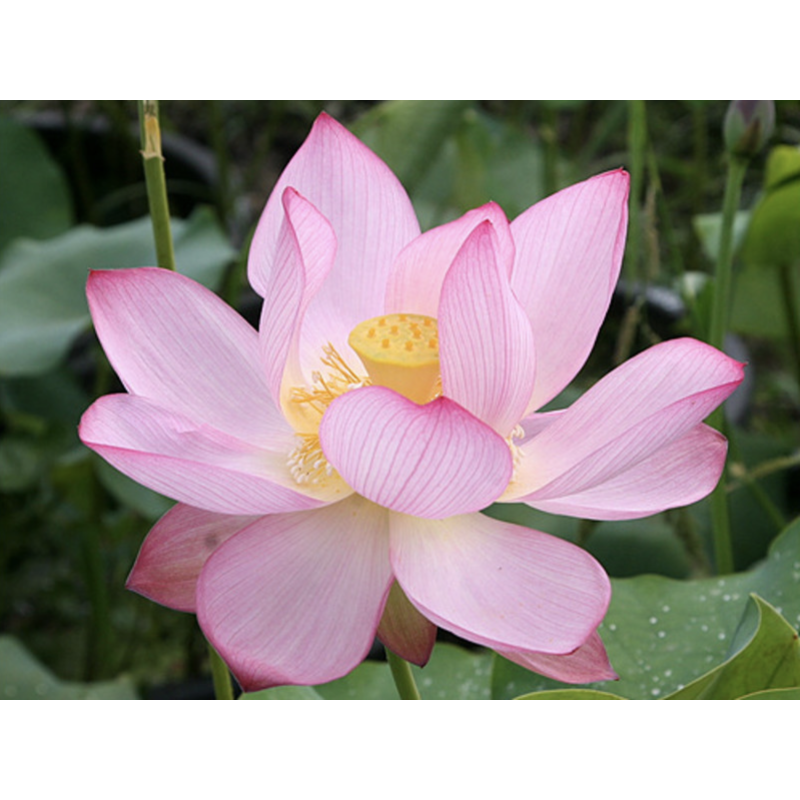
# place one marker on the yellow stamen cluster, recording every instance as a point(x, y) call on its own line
point(326, 388)
point(401, 352)
point(307, 463)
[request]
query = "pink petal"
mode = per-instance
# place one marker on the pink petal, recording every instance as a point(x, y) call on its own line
point(190, 462)
point(305, 252)
point(433, 460)
point(587, 664)
point(498, 584)
point(415, 282)
point(371, 216)
point(172, 340)
point(404, 630)
point(569, 251)
point(174, 552)
point(647, 403)
point(678, 474)
point(296, 598)
point(486, 345)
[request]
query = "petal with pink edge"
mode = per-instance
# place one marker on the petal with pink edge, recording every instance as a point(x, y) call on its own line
point(404, 630)
point(174, 341)
point(415, 282)
point(432, 461)
point(192, 463)
point(485, 339)
point(305, 252)
point(569, 252)
point(174, 552)
point(296, 598)
point(587, 664)
point(676, 475)
point(370, 213)
point(649, 402)
point(498, 584)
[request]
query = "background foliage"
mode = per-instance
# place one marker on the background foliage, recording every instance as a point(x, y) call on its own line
point(73, 199)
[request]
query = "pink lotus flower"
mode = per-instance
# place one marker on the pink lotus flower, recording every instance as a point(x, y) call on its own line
point(330, 468)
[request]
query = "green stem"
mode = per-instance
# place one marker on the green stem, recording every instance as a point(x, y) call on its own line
point(403, 677)
point(723, 275)
point(156, 182)
point(723, 549)
point(789, 292)
point(637, 144)
point(223, 686)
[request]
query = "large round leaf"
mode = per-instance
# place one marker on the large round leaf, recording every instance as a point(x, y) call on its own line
point(43, 284)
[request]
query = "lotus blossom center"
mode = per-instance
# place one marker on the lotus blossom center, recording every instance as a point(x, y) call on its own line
point(401, 352)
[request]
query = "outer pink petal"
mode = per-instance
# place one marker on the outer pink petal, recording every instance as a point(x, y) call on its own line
point(647, 403)
point(369, 210)
point(305, 252)
point(191, 462)
point(498, 584)
point(678, 474)
point(296, 598)
point(175, 550)
point(569, 251)
point(175, 342)
point(432, 461)
point(587, 664)
point(404, 630)
point(415, 282)
point(486, 344)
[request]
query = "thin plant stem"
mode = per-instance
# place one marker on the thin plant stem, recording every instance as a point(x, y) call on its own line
point(720, 308)
point(789, 293)
point(156, 182)
point(223, 686)
point(637, 145)
point(403, 677)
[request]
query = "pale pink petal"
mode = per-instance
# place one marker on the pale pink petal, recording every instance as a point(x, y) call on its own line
point(587, 664)
point(569, 251)
point(190, 462)
point(175, 550)
point(172, 340)
point(415, 282)
point(296, 598)
point(371, 216)
point(486, 345)
point(676, 475)
point(647, 403)
point(404, 630)
point(498, 584)
point(433, 460)
point(306, 249)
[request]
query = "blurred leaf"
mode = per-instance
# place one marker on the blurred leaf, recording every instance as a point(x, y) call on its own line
point(783, 164)
point(773, 694)
point(765, 655)
point(708, 228)
point(662, 634)
point(453, 673)
point(35, 200)
point(22, 677)
point(283, 693)
point(20, 463)
point(42, 284)
point(623, 547)
point(146, 502)
point(773, 238)
point(451, 157)
point(571, 694)
point(408, 134)
point(757, 308)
